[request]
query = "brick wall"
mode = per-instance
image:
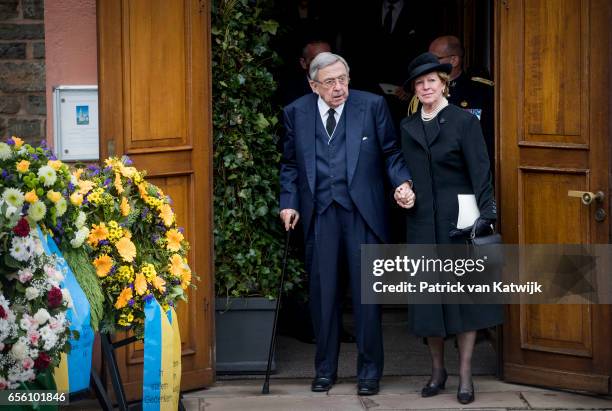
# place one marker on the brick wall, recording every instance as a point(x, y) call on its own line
point(22, 69)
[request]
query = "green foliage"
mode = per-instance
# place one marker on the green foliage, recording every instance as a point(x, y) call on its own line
point(249, 239)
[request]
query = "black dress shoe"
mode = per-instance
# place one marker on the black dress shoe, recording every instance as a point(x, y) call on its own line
point(322, 384)
point(465, 396)
point(368, 387)
point(433, 387)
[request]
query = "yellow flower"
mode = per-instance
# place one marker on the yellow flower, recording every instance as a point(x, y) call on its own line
point(149, 271)
point(77, 173)
point(103, 265)
point(166, 214)
point(18, 142)
point(76, 199)
point(97, 233)
point(186, 278)
point(125, 274)
point(124, 207)
point(118, 185)
point(128, 172)
point(54, 196)
point(23, 166)
point(174, 238)
point(85, 186)
point(109, 162)
point(176, 265)
point(55, 164)
point(140, 284)
point(31, 197)
point(124, 297)
point(142, 189)
point(160, 284)
point(126, 249)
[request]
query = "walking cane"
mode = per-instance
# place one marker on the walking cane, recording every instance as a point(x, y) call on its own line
point(266, 386)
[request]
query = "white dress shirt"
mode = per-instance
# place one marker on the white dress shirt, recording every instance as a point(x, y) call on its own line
point(324, 112)
point(397, 9)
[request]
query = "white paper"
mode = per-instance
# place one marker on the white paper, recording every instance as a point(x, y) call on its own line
point(388, 88)
point(468, 210)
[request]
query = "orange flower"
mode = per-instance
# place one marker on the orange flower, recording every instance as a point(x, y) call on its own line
point(160, 284)
point(103, 265)
point(124, 297)
point(31, 197)
point(124, 207)
point(18, 142)
point(128, 172)
point(97, 233)
point(140, 284)
point(76, 198)
point(166, 214)
point(126, 249)
point(85, 186)
point(23, 166)
point(77, 173)
point(174, 240)
point(55, 164)
point(54, 196)
point(176, 265)
point(118, 185)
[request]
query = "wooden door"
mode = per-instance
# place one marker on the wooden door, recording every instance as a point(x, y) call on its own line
point(154, 79)
point(553, 94)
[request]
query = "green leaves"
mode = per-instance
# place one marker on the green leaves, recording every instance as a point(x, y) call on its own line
point(248, 235)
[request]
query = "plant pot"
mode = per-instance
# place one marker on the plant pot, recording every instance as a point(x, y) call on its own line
point(243, 327)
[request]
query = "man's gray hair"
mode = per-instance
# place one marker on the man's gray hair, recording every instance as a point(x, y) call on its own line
point(323, 60)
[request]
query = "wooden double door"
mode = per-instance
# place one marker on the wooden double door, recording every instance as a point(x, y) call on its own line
point(553, 90)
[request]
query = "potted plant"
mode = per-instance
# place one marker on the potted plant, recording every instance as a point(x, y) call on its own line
point(248, 235)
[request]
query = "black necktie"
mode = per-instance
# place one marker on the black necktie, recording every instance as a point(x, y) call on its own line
point(388, 23)
point(330, 125)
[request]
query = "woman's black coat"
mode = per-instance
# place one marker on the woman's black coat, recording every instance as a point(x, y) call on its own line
point(454, 162)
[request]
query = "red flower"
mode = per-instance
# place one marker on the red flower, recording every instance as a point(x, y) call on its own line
point(22, 229)
point(42, 362)
point(3, 314)
point(54, 297)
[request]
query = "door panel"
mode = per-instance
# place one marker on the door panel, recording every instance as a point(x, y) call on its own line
point(553, 94)
point(154, 67)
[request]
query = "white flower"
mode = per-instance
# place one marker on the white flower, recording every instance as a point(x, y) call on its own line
point(47, 175)
point(53, 273)
point(80, 220)
point(38, 247)
point(19, 350)
point(49, 337)
point(79, 237)
point(27, 363)
point(22, 248)
point(37, 211)
point(25, 275)
point(67, 297)
point(31, 293)
point(5, 151)
point(10, 212)
point(42, 316)
point(13, 197)
point(61, 206)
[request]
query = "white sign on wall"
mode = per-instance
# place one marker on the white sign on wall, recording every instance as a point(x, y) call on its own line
point(75, 110)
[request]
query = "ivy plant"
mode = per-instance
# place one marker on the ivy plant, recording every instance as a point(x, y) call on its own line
point(248, 234)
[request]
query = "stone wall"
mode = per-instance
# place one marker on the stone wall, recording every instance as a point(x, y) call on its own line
point(22, 69)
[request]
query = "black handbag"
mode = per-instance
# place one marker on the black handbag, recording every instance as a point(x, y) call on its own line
point(493, 238)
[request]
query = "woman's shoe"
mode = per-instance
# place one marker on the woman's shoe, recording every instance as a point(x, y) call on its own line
point(433, 388)
point(465, 396)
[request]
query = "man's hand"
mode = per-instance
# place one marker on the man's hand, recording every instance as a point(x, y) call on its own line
point(404, 196)
point(290, 218)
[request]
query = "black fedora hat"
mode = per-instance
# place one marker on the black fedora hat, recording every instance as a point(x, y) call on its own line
point(423, 64)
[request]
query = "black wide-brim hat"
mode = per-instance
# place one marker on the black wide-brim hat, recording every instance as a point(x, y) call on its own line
point(423, 64)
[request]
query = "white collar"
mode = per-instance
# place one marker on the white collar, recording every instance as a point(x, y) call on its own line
point(324, 108)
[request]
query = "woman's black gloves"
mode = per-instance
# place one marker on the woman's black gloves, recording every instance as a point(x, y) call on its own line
point(482, 227)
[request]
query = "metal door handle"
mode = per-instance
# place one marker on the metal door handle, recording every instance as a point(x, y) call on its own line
point(586, 196)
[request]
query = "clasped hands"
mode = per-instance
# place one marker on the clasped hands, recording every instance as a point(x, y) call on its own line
point(404, 196)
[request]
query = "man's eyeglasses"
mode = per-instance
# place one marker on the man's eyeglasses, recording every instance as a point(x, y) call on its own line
point(330, 82)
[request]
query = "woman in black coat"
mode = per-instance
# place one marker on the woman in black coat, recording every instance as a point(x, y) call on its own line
point(445, 150)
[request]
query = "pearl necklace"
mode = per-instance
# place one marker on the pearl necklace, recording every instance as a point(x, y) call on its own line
point(430, 116)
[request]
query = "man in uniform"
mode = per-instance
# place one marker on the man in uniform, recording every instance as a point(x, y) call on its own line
point(471, 93)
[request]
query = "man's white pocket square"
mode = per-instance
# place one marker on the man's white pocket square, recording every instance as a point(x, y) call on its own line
point(364, 138)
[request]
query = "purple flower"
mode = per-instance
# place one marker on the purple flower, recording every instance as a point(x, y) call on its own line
point(103, 242)
point(128, 161)
point(181, 230)
point(131, 302)
point(171, 303)
point(70, 187)
point(107, 169)
point(107, 182)
point(169, 200)
point(34, 156)
point(5, 173)
point(10, 142)
point(144, 212)
point(52, 157)
point(147, 298)
point(43, 143)
point(155, 238)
